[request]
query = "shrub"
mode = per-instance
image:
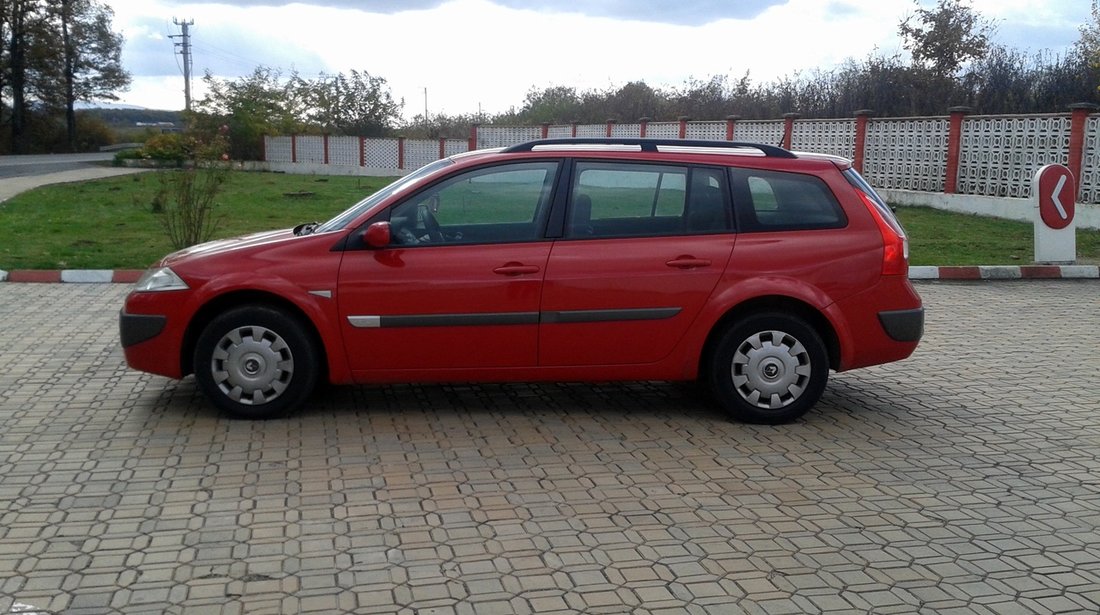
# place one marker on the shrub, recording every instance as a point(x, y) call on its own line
point(167, 146)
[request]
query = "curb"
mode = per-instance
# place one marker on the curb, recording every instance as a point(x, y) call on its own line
point(980, 272)
point(1007, 272)
point(71, 276)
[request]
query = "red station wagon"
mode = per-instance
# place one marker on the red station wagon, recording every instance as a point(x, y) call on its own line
point(745, 266)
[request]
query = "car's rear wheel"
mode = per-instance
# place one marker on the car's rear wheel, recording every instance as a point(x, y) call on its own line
point(256, 362)
point(769, 368)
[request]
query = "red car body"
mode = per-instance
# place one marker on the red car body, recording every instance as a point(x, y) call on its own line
point(552, 307)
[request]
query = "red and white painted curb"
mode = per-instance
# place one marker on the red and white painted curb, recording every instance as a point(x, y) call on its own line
point(74, 276)
point(981, 272)
point(1006, 272)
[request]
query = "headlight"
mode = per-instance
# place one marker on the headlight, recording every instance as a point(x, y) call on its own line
point(159, 279)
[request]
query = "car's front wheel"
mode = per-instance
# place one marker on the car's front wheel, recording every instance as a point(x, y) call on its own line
point(256, 362)
point(769, 368)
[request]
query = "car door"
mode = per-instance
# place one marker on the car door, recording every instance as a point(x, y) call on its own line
point(644, 247)
point(460, 283)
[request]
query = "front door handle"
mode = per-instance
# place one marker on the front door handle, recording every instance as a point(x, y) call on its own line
point(688, 262)
point(516, 269)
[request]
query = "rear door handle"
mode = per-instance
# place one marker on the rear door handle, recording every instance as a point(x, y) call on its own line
point(688, 262)
point(516, 269)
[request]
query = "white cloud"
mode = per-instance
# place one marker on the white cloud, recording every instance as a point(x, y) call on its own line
point(471, 53)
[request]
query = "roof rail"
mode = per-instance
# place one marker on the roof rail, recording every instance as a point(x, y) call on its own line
point(651, 145)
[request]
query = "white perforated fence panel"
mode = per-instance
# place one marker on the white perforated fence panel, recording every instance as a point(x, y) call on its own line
point(343, 151)
point(1090, 163)
point(906, 154)
point(768, 132)
point(311, 149)
point(420, 152)
point(706, 131)
point(591, 130)
point(836, 137)
point(380, 153)
point(455, 146)
point(559, 132)
point(503, 136)
point(662, 130)
point(999, 155)
point(626, 131)
point(277, 149)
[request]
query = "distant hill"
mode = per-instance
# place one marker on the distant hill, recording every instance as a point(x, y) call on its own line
point(134, 118)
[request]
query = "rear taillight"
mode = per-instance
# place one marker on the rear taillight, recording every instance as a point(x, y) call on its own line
point(895, 245)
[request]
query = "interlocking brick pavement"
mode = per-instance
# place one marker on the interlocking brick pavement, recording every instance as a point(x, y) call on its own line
point(965, 479)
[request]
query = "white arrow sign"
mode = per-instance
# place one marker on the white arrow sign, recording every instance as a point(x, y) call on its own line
point(1057, 201)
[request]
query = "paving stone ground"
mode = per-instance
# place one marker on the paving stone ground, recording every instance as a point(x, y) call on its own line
point(964, 480)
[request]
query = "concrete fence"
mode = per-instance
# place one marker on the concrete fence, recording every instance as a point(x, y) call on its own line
point(959, 161)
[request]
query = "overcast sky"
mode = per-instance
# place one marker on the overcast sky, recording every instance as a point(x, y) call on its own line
point(486, 54)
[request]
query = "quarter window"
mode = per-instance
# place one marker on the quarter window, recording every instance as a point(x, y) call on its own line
point(776, 201)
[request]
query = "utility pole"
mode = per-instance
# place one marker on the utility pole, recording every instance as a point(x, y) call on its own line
point(184, 47)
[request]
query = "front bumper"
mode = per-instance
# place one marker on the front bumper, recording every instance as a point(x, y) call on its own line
point(903, 325)
point(136, 328)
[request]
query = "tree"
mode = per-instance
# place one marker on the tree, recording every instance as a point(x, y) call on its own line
point(21, 17)
point(52, 54)
point(251, 106)
point(91, 63)
point(357, 104)
point(945, 37)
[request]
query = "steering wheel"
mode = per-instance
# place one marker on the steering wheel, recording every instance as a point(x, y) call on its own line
point(435, 232)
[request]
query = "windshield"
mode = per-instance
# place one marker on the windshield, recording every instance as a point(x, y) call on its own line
point(396, 187)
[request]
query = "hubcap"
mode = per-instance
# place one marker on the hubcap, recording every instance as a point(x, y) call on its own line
point(771, 369)
point(252, 365)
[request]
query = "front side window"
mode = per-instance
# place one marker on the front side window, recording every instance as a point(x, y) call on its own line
point(611, 199)
point(497, 204)
point(777, 201)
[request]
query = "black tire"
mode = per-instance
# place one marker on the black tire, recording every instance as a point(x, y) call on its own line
point(769, 368)
point(256, 362)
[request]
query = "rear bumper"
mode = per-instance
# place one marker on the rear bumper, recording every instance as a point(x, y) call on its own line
point(903, 325)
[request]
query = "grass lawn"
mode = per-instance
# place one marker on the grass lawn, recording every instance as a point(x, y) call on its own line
point(109, 223)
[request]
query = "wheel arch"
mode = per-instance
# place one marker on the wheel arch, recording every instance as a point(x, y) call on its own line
point(772, 303)
point(240, 298)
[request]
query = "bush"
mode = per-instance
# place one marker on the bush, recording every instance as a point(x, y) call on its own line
point(167, 147)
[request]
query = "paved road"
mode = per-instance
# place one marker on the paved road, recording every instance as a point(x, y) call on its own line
point(21, 173)
point(966, 479)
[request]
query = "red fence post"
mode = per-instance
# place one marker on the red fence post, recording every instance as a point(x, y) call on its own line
point(325, 141)
point(573, 126)
point(862, 116)
point(954, 146)
point(362, 151)
point(684, 126)
point(644, 123)
point(545, 129)
point(610, 126)
point(442, 148)
point(400, 152)
point(471, 145)
point(1078, 118)
point(788, 128)
point(294, 148)
point(731, 123)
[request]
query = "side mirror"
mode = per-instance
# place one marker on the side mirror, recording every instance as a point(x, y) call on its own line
point(377, 235)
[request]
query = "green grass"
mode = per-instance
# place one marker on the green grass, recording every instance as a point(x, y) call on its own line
point(943, 238)
point(109, 224)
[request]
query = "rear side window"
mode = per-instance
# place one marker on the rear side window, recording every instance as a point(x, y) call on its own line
point(777, 201)
point(617, 199)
